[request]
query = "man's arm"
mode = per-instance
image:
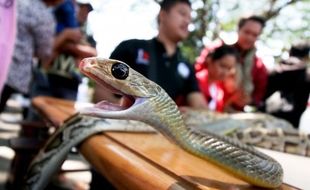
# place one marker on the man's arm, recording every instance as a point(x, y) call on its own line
point(79, 51)
point(194, 97)
point(72, 35)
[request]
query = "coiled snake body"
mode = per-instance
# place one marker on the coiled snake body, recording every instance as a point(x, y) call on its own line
point(145, 101)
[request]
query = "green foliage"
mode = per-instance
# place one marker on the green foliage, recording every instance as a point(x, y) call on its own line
point(287, 21)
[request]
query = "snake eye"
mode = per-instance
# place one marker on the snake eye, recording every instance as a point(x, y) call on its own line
point(120, 71)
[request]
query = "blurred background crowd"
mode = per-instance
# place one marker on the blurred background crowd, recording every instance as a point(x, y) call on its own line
point(224, 56)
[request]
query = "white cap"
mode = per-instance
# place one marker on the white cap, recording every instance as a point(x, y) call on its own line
point(83, 1)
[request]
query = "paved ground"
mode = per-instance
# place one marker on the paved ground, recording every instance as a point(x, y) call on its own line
point(9, 129)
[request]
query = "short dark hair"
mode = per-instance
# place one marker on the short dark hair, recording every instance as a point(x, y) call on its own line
point(88, 5)
point(222, 51)
point(167, 4)
point(300, 50)
point(254, 18)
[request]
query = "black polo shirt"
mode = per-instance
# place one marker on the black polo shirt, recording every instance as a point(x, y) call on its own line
point(174, 73)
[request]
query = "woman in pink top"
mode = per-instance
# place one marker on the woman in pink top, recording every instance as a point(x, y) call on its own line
point(7, 37)
point(217, 65)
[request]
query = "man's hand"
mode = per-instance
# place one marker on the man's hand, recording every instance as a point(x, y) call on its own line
point(240, 98)
point(72, 34)
point(197, 100)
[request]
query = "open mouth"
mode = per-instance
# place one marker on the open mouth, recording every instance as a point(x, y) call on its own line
point(125, 100)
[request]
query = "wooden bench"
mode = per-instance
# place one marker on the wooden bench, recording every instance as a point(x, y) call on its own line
point(143, 161)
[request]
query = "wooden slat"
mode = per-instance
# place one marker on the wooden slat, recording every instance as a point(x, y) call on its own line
point(159, 150)
point(154, 149)
point(127, 170)
point(55, 110)
point(143, 161)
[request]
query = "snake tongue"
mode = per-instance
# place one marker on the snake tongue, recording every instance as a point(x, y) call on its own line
point(105, 105)
point(125, 102)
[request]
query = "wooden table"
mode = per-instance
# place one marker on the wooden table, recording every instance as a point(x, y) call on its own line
point(142, 160)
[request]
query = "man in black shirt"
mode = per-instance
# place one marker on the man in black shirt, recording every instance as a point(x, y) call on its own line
point(172, 73)
point(161, 60)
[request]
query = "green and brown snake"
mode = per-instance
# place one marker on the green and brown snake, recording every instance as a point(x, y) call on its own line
point(145, 101)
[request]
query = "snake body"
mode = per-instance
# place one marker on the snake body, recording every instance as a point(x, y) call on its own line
point(153, 106)
point(76, 129)
point(257, 129)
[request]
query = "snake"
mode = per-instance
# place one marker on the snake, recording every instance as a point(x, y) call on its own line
point(144, 101)
point(256, 129)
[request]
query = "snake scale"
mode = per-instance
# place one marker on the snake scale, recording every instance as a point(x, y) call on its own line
point(258, 129)
point(145, 101)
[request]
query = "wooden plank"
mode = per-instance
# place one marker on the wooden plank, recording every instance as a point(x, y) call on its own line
point(54, 110)
point(127, 170)
point(159, 150)
point(149, 161)
point(143, 161)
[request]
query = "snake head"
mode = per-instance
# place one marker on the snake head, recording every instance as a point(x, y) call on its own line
point(119, 78)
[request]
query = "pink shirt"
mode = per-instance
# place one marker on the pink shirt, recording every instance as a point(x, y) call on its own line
point(7, 37)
